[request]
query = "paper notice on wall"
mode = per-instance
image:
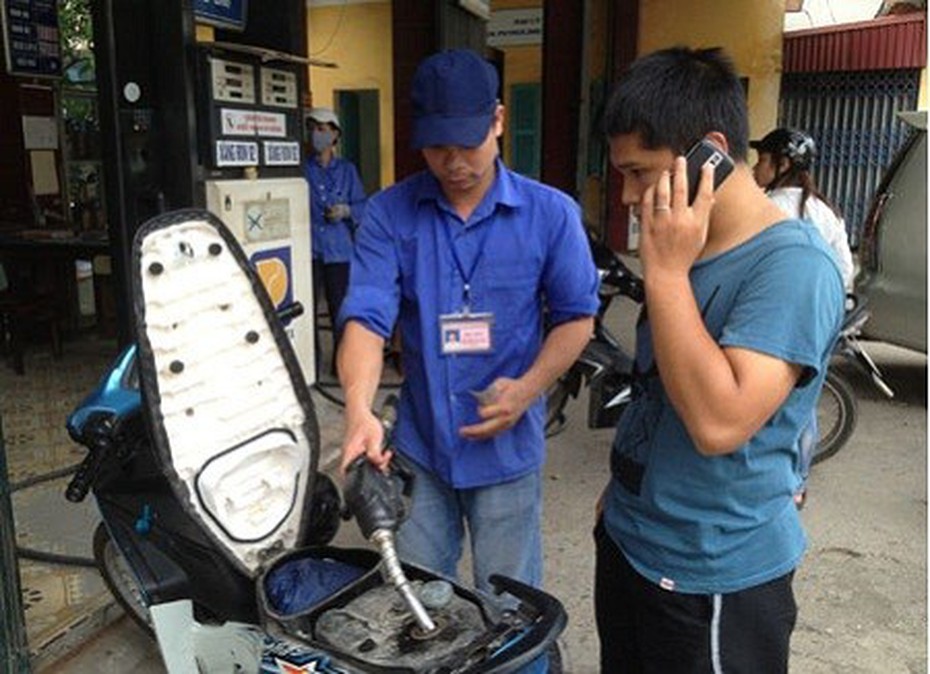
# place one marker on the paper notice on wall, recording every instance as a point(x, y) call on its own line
point(44, 172)
point(511, 27)
point(40, 133)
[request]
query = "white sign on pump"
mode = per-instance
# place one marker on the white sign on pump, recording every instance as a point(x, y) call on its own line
point(253, 123)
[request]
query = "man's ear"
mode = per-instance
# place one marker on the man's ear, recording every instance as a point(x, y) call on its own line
point(498, 121)
point(719, 139)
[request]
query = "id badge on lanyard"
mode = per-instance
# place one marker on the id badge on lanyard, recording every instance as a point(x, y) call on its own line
point(466, 333)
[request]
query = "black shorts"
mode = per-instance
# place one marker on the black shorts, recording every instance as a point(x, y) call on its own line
point(644, 629)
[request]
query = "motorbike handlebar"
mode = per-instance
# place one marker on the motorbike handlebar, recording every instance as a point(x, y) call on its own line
point(98, 450)
point(615, 273)
point(289, 312)
point(624, 281)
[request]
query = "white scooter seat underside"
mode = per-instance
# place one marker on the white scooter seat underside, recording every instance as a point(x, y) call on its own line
point(234, 427)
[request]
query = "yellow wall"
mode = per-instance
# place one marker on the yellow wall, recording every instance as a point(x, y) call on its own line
point(522, 63)
point(357, 37)
point(751, 32)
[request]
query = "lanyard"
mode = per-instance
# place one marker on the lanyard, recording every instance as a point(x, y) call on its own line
point(466, 278)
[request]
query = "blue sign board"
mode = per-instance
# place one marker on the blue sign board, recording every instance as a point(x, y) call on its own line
point(31, 39)
point(222, 13)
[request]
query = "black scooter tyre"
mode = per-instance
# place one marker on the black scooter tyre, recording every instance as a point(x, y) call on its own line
point(122, 584)
point(556, 399)
point(837, 416)
point(120, 580)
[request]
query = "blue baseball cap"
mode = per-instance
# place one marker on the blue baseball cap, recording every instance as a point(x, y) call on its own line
point(454, 96)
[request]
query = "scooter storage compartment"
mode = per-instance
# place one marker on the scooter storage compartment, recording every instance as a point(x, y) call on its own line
point(300, 580)
point(365, 621)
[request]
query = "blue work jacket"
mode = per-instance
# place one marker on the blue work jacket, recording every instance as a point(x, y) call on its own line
point(337, 183)
point(523, 248)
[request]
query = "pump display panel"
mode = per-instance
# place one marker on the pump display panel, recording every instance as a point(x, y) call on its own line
point(252, 111)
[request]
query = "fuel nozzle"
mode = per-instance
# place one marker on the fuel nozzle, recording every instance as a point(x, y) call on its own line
point(377, 500)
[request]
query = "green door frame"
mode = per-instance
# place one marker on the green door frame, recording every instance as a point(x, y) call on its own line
point(359, 113)
point(526, 128)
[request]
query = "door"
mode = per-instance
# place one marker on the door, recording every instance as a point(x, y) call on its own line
point(360, 114)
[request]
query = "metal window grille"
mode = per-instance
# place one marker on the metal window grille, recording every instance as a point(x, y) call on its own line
point(853, 118)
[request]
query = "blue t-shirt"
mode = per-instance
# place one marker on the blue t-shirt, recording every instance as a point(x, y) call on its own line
point(336, 183)
point(523, 246)
point(702, 524)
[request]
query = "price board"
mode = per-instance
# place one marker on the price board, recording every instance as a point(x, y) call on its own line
point(31, 38)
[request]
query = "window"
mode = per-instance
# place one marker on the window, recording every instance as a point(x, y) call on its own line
point(525, 109)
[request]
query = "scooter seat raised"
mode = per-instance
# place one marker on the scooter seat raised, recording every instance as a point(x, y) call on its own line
point(231, 417)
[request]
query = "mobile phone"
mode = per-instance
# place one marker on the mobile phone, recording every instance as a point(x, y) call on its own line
point(700, 155)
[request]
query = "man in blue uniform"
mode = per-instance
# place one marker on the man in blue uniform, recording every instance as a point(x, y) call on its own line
point(337, 202)
point(463, 257)
point(700, 536)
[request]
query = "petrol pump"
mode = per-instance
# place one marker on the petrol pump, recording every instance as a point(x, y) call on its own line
point(250, 128)
point(202, 106)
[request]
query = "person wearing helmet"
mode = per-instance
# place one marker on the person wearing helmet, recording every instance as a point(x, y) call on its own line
point(337, 201)
point(783, 170)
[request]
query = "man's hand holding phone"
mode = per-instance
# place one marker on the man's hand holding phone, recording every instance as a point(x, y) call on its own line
point(675, 212)
point(702, 154)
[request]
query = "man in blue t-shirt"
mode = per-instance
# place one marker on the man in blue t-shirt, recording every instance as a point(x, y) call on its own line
point(699, 536)
point(463, 257)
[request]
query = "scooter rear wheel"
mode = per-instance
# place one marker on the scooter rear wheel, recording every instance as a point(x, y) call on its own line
point(120, 579)
point(122, 583)
point(837, 415)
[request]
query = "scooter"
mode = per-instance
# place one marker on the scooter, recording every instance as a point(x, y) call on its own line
point(605, 366)
point(203, 448)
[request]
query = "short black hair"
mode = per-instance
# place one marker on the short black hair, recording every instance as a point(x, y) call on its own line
point(674, 97)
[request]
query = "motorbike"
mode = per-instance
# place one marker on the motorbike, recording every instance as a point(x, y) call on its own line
point(606, 366)
point(837, 409)
point(215, 522)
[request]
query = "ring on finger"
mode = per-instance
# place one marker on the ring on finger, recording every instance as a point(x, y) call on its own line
point(662, 207)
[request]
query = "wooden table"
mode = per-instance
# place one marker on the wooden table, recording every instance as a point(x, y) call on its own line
point(44, 261)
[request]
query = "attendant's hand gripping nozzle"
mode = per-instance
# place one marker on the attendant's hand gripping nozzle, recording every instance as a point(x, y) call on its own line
point(377, 500)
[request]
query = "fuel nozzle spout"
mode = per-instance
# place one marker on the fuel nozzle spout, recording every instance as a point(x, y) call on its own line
point(384, 539)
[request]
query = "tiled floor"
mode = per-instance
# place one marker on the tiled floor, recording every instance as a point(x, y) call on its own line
point(62, 603)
